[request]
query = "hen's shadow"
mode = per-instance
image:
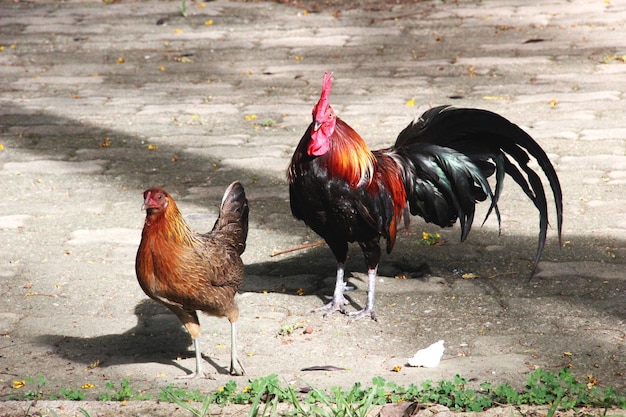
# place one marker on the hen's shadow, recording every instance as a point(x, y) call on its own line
point(158, 337)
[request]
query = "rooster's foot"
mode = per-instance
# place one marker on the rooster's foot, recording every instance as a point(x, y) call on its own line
point(363, 313)
point(335, 305)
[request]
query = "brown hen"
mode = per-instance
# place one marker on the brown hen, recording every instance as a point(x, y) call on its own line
point(187, 271)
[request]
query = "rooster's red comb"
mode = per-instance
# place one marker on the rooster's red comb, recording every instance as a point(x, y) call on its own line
point(328, 82)
point(322, 103)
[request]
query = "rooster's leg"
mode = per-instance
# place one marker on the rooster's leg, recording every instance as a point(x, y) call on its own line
point(338, 302)
point(233, 351)
point(369, 307)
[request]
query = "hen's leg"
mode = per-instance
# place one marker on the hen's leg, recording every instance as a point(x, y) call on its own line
point(369, 307)
point(196, 348)
point(190, 320)
point(198, 373)
point(338, 302)
point(233, 351)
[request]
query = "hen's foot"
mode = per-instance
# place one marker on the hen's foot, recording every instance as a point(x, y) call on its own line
point(195, 375)
point(363, 313)
point(234, 371)
point(335, 305)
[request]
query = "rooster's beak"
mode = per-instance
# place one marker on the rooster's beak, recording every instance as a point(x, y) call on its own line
point(316, 125)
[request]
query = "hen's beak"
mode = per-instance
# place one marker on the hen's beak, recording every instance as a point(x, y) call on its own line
point(146, 202)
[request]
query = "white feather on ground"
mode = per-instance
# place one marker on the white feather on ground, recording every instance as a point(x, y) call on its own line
point(428, 357)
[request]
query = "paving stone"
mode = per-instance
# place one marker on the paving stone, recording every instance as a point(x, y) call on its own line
point(100, 101)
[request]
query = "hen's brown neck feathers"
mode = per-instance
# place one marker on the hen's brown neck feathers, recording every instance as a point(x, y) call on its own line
point(170, 225)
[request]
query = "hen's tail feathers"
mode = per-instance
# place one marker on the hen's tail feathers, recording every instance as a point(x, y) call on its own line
point(444, 139)
point(233, 218)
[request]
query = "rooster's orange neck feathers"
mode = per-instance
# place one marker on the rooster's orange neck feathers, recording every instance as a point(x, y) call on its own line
point(348, 156)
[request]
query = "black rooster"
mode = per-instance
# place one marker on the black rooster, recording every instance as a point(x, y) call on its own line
point(437, 169)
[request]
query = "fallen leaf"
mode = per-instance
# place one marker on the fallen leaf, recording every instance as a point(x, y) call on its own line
point(183, 59)
point(94, 364)
point(19, 384)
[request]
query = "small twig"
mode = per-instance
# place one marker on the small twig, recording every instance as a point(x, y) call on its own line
point(501, 274)
point(296, 248)
point(323, 368)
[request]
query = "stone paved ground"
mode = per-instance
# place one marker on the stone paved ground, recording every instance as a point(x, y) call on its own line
point(100, 101)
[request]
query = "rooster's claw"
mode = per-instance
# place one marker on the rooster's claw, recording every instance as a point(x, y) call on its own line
point(363, 313)
point(335, 305)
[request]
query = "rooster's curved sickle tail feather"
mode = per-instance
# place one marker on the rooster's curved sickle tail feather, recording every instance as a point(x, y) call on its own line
point(444, 187)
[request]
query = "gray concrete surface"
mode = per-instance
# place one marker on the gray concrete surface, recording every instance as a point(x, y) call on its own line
point(100, 101)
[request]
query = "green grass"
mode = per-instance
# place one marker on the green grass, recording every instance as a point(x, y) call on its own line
point(266, 396)
point(122, 393)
